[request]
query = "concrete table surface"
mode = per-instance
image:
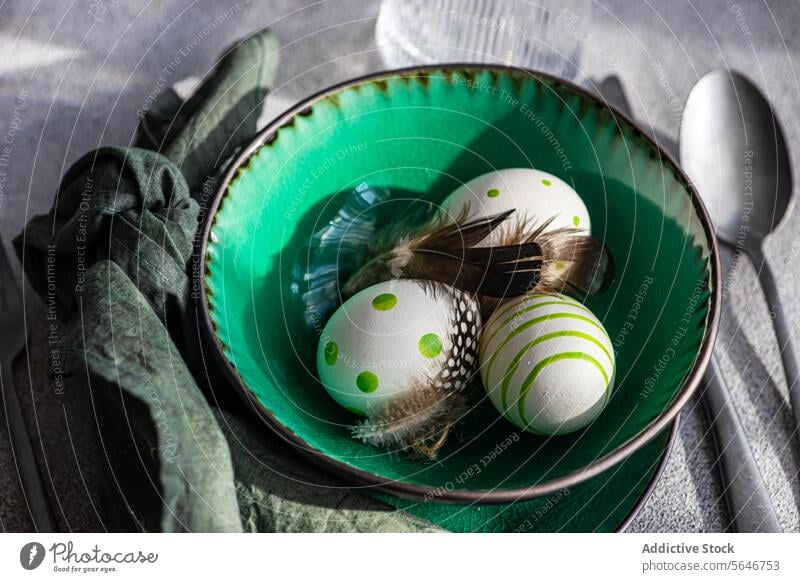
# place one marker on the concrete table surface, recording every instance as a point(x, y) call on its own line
point(74, 74)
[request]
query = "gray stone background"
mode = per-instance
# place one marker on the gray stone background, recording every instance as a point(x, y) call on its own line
point(73, 75)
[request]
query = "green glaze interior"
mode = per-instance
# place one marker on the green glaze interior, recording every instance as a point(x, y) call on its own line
point(422, 134)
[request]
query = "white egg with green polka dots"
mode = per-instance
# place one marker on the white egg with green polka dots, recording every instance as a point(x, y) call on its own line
point(535, 195)
point(547, 363)
point(385, 339)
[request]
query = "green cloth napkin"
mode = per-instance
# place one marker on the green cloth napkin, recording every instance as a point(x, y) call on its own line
point(112, 259)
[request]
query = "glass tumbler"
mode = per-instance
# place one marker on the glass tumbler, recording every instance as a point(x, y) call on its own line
point(539, 34)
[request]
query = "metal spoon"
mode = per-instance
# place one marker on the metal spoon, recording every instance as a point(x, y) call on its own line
point(727, 108)
point(733, 150)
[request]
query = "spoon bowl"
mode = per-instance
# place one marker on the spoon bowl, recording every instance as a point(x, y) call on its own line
point(733, 148)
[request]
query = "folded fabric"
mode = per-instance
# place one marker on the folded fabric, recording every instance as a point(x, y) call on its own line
point(112, 259)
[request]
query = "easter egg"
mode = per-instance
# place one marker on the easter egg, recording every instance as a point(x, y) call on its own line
point(536, 196)
point(547, 363)
point(388, 338)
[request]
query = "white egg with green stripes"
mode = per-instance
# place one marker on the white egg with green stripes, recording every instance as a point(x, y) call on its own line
point(547, 363)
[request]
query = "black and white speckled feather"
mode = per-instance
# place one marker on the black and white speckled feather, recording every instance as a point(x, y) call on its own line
point(461, 349)
point(420, 420)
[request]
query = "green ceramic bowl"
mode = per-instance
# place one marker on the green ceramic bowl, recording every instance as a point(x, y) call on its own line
point(421, 133)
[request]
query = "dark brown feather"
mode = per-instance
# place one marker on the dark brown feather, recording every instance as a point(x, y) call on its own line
point(528, 260)
point(448, 237)
point(572, 261)
point(436, 247)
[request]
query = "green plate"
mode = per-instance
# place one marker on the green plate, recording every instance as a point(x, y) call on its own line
point(606, 503)
point(421, 133)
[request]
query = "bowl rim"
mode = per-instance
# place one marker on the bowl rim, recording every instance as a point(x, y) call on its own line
point(423, 492)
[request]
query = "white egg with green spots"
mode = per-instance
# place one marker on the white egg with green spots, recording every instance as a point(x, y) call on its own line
point(387, 338)
point(536, 196)
point(547, 363)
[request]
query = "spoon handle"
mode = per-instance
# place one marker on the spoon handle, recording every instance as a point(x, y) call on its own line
point(746, 494)
point(783, 331)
